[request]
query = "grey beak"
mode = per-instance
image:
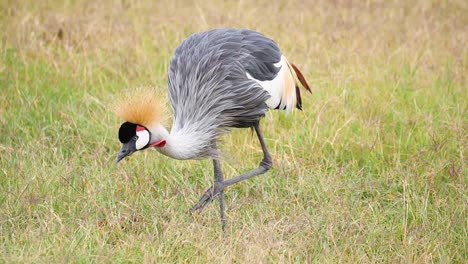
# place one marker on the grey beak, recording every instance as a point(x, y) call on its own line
point(126, 150)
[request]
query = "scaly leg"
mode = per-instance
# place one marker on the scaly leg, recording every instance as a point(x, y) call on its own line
point(219, 178)
point(218, 187)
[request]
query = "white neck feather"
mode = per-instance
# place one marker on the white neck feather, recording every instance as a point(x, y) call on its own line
point(180, 145)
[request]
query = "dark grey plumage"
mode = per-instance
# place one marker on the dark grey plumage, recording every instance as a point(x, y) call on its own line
point(208, 85)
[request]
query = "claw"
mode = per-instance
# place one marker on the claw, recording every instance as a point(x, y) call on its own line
point(209, 195)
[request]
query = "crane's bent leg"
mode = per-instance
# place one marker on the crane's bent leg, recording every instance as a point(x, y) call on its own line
point(264, 166)
point(218, 187)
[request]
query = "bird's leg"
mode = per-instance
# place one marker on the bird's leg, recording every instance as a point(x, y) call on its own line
point(264, 166)
point(219, 178)
point(218, 187)
point(214, 191)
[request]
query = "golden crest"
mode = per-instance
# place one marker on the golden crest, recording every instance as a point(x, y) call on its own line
point(140, 106)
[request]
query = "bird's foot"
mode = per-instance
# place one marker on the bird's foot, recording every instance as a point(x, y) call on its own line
point(210, 194)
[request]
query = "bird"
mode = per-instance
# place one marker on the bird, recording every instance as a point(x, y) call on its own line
point(217, 80)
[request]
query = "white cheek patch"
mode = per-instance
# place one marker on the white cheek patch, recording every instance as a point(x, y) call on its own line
point(143, 139)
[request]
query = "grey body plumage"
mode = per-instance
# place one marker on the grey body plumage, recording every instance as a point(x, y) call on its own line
point(208, 86)
point(217, 80)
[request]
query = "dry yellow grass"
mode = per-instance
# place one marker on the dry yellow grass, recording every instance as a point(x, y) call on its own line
point(373, 169)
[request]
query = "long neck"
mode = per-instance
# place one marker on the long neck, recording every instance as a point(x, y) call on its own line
point(182, 144)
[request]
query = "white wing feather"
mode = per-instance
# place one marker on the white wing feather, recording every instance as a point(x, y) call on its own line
point(281, 88)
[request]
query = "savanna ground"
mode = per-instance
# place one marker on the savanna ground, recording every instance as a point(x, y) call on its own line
point(373, 169)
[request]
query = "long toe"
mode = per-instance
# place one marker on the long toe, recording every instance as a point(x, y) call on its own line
point(208, 197)
point(202, 203)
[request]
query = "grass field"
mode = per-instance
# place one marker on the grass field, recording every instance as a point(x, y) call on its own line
point(373, 169)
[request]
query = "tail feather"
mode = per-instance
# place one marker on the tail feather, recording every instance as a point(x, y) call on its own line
point(301, 78)
point(297, 75)
point(298, 98)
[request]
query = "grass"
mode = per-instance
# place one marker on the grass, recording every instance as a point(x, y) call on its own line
point(373, 169)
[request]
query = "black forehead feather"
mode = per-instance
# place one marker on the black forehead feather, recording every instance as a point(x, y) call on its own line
point(126, 132)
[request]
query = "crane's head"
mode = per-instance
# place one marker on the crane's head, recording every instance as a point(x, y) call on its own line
point(134, 138)
point(142, 111)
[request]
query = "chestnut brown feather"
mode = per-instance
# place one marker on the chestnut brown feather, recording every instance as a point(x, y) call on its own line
point(301, 78)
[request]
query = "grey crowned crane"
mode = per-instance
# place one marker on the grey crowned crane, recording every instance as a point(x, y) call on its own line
point(217, 80)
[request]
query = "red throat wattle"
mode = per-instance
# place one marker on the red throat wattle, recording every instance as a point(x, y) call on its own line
point(161, 143)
